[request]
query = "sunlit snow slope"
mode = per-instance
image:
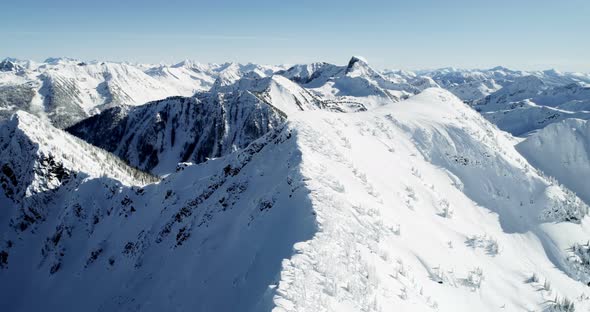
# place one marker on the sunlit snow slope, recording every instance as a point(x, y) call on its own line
point(562, 150)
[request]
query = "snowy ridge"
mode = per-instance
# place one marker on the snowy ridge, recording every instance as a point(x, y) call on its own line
point(67, 90)
point(375, 247)
point(420, 205)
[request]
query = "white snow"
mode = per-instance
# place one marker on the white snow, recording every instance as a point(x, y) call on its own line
point(420, 205)
point(562, 150)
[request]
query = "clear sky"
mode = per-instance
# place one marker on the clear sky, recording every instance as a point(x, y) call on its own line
point(411, 34)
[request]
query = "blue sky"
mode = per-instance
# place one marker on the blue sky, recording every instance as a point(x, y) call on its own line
point(522, 34)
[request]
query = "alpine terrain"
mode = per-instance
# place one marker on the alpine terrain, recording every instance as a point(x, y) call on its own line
point(309, 187)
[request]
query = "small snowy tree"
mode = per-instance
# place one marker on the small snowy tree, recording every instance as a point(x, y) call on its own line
point(569, 209)
point(446, 211)
point(579, 261)
point(397, 229)
point(547, 285)
point(474, 278)
point(562, 305)
point(533, 279)
point(493, 248)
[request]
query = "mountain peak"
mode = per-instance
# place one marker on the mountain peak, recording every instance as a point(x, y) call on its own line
point(59, 60)
point(552, 72)
point(358, 66)
point(500, 68)
point(357, 59)
point(9, 65)
point(191, 64)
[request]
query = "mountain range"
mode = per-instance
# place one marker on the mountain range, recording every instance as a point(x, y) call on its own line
point(314, 187)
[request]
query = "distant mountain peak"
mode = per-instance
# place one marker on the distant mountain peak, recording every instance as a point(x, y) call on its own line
point(501, 68)
point(356, 59)
point(552, 72)
point(8, 65)
point(59, 60)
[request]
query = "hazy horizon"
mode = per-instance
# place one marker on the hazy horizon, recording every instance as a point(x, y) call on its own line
point(423, 34)
point(42, 60)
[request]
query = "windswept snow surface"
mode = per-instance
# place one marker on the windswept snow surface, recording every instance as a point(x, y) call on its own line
point(420, 205)
point(562, 150)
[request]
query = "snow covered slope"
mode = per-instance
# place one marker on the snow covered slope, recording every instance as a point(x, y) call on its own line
point(562, 150)
point(37, 159)
point(420, 205)
point(158, 135)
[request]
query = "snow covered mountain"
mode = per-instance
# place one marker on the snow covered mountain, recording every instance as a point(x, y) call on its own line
point(190, 77)
point(473, 85)
point(159, 135)
point(420, 205)
point(529, 104)
point(354, 87)
point(65, 90)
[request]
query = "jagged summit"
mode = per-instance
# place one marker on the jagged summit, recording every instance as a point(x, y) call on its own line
point(357, 59)
point(358, 66)
point(356, 86)
point(8, 65)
